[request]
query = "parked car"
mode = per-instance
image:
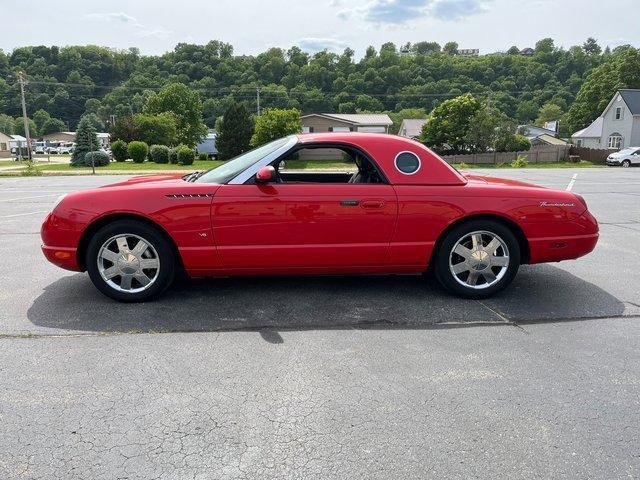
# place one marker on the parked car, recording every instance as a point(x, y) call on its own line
point(402, 209)
point(40, 148)
point(625, 157)
point(67, 148)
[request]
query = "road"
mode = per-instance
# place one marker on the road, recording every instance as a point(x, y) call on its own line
point(324, 377)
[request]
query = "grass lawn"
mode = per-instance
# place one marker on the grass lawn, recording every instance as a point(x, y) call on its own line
point(131, 166)
point(581, 164)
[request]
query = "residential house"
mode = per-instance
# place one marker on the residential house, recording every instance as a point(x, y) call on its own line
point(546, 139)
point(532, 131)
point(345, 122)
point(5, 145)
point(411, 127)
point(618, 126)
point(59, 137)
point(527, 52)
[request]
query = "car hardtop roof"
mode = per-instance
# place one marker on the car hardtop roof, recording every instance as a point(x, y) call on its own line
point(385, 147)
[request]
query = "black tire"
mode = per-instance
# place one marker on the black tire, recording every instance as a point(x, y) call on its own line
point(442, 256)
point(165, 255)
point(626, 163)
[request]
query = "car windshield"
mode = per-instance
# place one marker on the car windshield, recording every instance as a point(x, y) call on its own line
point(628, 150)
point(231, 169)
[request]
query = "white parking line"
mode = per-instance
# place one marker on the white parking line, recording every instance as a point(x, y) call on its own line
point(573, 180)
point(29, 198)
point(24, 214)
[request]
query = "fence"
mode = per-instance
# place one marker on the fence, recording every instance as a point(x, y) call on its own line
point(594, 155)
point(546, 154)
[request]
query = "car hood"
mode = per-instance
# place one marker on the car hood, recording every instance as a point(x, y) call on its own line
point(174, 177)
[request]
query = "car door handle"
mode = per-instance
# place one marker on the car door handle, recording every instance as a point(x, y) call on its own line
point(349, 203)
point(378, 203)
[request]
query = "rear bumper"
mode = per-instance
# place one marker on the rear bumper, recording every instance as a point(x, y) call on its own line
point(566, 247)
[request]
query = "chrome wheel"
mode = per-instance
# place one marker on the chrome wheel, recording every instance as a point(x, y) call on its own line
point(479, 260)
point(128, 263)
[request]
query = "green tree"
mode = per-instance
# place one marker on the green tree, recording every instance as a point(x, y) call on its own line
point(39, 118)
point(124, 129)
point(138, 151)
point(274, 124)
point(450, 48)
point(591, 47)
point(186, 105)
point(52, 125)
point(548, 112)
point(621, 70)
point(6, 124)
point(512, 143)
point(483, 129)
point(236, 129)
point(157, 129)
point(18, 127)
point(425, 48)
point(449, 122)
point(86, 141)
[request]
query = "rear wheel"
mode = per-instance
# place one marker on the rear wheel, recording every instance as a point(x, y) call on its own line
point(130, 261)
point(477, 259)
point(626, 163)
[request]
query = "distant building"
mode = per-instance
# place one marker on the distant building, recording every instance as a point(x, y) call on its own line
point(527, 52)
point(532, 131)
point(345, 122)
point(617, 127)
point(5, 145)
point(469, 52)
point(546, 139)
point(103, 138)
point(411, 127)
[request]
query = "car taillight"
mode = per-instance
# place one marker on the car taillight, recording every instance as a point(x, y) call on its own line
point(582, 200)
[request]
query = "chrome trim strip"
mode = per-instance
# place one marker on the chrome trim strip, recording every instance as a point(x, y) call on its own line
point(253, 169)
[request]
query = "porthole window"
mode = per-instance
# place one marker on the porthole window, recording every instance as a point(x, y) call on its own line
point(407, 163)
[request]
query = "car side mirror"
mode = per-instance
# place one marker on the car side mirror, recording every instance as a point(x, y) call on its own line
point(266, 174)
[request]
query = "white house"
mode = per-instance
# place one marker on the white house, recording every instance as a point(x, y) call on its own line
point(618, 126)
point(411, 127)
point(345, 122)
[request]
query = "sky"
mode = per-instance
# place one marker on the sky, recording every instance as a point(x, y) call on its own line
point(252, 26)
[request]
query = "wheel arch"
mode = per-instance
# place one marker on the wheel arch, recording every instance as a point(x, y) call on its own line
point(523, 243)
point(100, 222)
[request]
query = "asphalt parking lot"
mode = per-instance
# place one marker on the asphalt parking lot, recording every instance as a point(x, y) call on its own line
point(324, 377)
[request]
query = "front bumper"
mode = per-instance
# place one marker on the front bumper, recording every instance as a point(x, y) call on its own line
point(63, 257)
point(613, 162)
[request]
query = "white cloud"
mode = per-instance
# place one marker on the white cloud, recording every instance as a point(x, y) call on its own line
point(398, 12)
point(313, 44)
point(140, 30)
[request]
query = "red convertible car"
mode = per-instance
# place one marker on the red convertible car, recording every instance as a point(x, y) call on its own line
point(401, 209)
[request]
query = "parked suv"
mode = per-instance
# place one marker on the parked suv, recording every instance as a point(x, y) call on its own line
point(625, 157)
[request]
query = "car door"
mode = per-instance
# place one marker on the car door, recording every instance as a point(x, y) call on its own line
point(326, 227)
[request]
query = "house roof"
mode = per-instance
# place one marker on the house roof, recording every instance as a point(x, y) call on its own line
point(550, 139)
point(632, 98)
point(592, 131)
point(18, 138)
point(357, 118)
point(413, 126)
point(533, 131)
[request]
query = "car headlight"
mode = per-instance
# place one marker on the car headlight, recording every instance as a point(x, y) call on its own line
point(57, 202)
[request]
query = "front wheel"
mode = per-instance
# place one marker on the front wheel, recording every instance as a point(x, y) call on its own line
point(130, 261)
point(626, 163)
point(477, 259)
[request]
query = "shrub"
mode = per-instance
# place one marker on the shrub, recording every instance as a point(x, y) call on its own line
point(463, 165)
point(186, 155)
point(159, 154)
point(99, 158)
point(203, 156)
point(119, 150)
point(173, 155)
point(519, 162)
point(138, 151)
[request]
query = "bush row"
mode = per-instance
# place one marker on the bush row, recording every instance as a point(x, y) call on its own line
point(140, 151)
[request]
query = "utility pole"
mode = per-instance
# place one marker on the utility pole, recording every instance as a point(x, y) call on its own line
point(258, 98)
point(23, 82)
point(93, 161)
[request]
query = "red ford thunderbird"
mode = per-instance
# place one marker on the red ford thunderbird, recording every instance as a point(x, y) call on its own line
point(394, 207)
